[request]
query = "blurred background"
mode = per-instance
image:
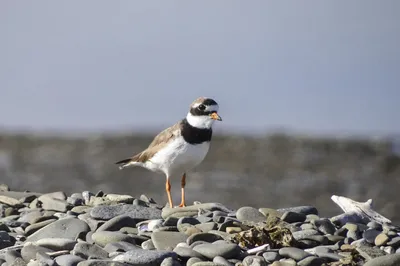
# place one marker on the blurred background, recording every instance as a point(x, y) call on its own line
point(308, 91)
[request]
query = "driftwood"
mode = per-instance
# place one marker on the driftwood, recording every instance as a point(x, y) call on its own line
point(356, 212)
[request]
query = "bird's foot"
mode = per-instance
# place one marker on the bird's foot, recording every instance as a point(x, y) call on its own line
point(182, 205)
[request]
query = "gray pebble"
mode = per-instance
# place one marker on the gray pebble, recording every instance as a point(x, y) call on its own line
point(186, 253)
point(56, 244)
point(102, 238)
point(311, 261)
point(170, 262)
point(68, 260)
point(293, 217)
point(222, 261)
point(117, 222)
point(139, 213)
point(121, 246)
point(325, 226)
point(29, 251)
point(249, 214)
point(96, 262)
point(388, 260)
point(163, 240)
point(207, 237)
point(271, 256)
point(294, 253)
point(370, 235)
point(63, 228)
point(192, 261)
point(148, 244)
point(253, 260)
point(86, 250)
point(300, 209)
point(304, 233)
point(144, 257)
point(225, 250)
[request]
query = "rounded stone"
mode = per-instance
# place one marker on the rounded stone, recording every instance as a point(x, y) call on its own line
point(249, 214)
point(381, 239)
point(225, 250)
point(102, 238)
point(293, 253)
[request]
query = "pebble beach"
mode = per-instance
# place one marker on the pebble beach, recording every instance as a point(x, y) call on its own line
point(97, 228)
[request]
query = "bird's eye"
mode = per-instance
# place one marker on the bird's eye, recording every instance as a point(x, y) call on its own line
point(202, 107)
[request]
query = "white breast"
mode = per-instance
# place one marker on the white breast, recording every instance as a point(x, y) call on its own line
point(178, 157)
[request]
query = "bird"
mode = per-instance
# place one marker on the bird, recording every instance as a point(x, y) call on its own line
point(180, 147)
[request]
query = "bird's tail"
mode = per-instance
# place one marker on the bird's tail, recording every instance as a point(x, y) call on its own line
point(125, 163)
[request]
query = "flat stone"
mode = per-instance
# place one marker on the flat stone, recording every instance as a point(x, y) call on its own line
point(325, 226)
point(225, 250)
point(30, 229)
point(9, 201)
point(186, 253)
point(192, 210)
point(300, 209)
point(206, 227)
point(96, 262)
point(387, 260)
point(121, 246)
point(270, 212)
point(304, 233)
point(370, 235)
point(311, 261)
point(56, 244)
point(294, 253)
point(381, 239)
point(170, 262)
point(102, 238)
point(68, 260)
point(29, 251)
point(222, 261)
point(117, 222)
point(86, 250)
point(293, 217)
point(394, 242)
point(163, 240)
point(55, 204)
point(253, 260)
point(63, 228)
point(144, 257)
point(271, 256)
point(249, 214)
point(138, 213)
point(206, 237)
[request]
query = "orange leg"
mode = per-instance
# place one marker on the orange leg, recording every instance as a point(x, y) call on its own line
point(183, 183)
point(168, 189)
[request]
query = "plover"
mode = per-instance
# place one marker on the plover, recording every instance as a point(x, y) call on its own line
point(181, 147)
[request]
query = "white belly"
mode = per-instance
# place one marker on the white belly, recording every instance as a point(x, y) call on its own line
point(178, 157)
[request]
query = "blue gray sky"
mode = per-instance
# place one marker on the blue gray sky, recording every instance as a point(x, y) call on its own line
point(309, 66)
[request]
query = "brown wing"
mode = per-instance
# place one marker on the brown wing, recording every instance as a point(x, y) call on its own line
point(158, 142)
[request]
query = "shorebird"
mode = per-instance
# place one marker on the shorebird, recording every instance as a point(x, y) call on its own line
point(179, 148)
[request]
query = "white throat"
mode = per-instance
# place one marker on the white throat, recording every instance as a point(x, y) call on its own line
point(203, 121)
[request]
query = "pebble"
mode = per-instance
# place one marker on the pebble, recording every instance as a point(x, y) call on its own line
point(163, 240)
point(388, 260)
point(249, 214)
point(109, 229)
point(102, 238)
point(144, 257)
point(138, 213)
point(293, 253)
point(225, 250)
point(67, 228)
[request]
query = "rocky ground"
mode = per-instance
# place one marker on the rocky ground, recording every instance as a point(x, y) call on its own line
point(109, 229)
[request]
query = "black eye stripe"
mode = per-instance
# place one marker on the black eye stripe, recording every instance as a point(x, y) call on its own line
point(196, 111)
